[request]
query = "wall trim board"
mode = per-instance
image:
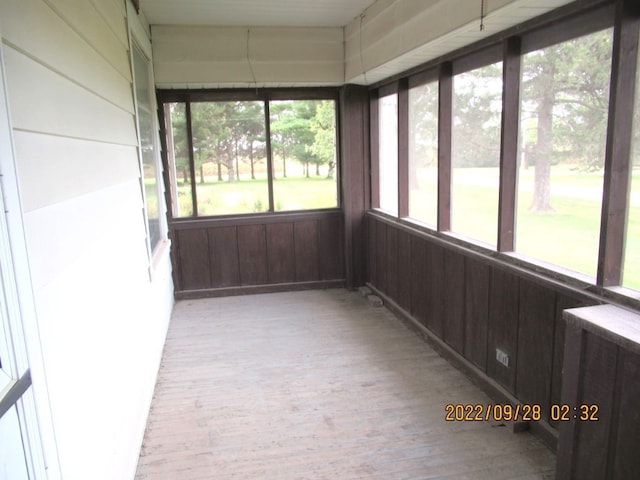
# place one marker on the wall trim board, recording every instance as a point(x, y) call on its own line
point(497, 392)
point(256, 289)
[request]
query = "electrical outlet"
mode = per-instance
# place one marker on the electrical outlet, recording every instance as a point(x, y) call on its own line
point(502, 357)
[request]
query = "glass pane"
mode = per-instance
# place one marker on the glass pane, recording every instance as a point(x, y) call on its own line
point(631, 271)
point(150, 172)
point(423, 153)
point(303, 149)
point(564, 104)
point(178, 150)
point(475, 157)
point(229, 157)
point(388, 153)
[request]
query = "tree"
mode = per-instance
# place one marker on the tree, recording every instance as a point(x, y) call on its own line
point(566, 93)
point(323, 127)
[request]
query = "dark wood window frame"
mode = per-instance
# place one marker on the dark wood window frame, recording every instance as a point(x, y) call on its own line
point(555, 27)
point(265, 95)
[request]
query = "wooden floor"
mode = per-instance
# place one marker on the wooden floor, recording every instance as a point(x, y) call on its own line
point(317, 385)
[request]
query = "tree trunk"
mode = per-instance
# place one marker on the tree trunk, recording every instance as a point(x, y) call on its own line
point(317, 169)
point(332, 167)
point(306, 169)
point(253, 173)
point(219, 170)
point(544, 146)
point(202, 172)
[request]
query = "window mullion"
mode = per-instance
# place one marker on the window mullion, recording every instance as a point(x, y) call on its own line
point(403, 149)
point(509, 143)
point(192, 166)
point(267, 120)
point(615, 202)
point(445, 109)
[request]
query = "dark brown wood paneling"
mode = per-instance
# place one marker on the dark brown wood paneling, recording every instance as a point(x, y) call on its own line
point(252, 254)
point(476, 301)
point(626, 462)
point(599, 369)
point(435, 289)
point(405, 260)
point(381, 256)
point(223, 253)
point(562, 303)
point(535, 344)
point(354, 138)
point(419, 279)
point(194, 259)
point(453, 299)
point(306, 250)
point(392, 263)
point(280, 261)
point(372, 230)
point(331, 248)
point(503, 327)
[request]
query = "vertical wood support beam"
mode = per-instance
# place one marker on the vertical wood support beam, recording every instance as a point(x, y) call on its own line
point(403, 148)
point(509, 144)
point(617, 166)
point(192, 163)
point(355, 177)
point(267, 123)
point(374, 171)
point(445, 116)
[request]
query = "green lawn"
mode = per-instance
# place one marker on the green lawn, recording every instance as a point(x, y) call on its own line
point(252, 196)
point(568, 236)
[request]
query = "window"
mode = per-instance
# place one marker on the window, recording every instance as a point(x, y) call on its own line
point(303, 144)
point(475, 157)
point(251, 156)
point(423, 153)
point(563, 122)
point(151, 173)
point(631, 271)
point(388, 153)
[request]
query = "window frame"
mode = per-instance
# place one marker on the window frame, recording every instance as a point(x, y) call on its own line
point(265, 95)
point(557, 26)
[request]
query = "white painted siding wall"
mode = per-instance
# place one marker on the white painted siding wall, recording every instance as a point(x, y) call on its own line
point(242, 57)
point(102, 321)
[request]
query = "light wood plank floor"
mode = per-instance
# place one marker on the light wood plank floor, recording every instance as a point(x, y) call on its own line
point(316, 385)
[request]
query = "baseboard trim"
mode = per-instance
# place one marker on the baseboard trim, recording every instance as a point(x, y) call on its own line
point(253, 289)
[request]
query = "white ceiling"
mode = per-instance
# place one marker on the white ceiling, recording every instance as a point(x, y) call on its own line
point(256, 13)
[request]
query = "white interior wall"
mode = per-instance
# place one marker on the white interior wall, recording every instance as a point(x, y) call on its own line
point(102, 317)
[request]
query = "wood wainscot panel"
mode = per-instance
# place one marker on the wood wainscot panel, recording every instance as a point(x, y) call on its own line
point(306, 250)
point(435, 308)
point(392, 263)
point(476, 299)
point(331, 248)
point(252, 254)
point(626, 462)
point(193, 248)
point(381, 256)
point(372, 265)
point(405, 260)
point(280, 253)
point(535, 344)
point(453, 300)
point(598, 375)
point(503, 327)
point(223, 251)
point(419, 279)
